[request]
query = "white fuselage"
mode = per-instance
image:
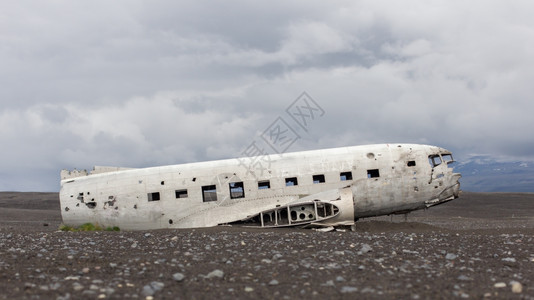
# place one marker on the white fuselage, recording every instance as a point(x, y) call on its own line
point(383, 179)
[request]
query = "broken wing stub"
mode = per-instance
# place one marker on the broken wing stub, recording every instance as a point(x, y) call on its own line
point(334, 207)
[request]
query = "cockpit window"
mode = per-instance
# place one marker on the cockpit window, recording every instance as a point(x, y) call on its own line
point(447, 158)
point(434, 160)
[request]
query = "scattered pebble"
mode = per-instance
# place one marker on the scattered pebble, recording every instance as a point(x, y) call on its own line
point(365, 248)
point(325, 229)
point(215, 274)
point(517, 288)
point(450, 256)
point(348, 289)
point(178, 277)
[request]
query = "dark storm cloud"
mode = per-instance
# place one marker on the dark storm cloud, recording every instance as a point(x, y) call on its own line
point(137, 83)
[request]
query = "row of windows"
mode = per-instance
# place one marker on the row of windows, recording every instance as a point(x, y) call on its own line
point(237, 189)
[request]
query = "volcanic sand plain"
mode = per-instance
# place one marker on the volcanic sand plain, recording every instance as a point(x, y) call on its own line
point(480, 245)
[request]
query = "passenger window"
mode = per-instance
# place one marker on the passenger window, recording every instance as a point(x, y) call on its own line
point(209, 193)
point(153, 196)
point(181, 194)
point(291, 181)
point(237, 190)
point(343, 176)
point(265, 184)
point(374, 173)
point(411, 163)
point(318, 178)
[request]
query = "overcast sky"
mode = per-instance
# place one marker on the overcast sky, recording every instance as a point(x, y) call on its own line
point(145, 83)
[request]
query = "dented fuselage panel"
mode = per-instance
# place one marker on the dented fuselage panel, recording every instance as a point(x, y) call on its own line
point(322, 187)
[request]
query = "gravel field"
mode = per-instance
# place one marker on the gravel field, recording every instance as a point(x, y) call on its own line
point(478, 246)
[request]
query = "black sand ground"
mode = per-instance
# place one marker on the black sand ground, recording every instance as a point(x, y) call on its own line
point(478, 246)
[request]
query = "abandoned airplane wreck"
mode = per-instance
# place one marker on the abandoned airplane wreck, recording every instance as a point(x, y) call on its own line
point(310, 188)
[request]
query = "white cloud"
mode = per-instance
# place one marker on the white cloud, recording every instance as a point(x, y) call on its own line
point(308, 39)
point(137, 84)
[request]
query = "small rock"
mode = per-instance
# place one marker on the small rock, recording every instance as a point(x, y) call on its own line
point(499, 285)
point(29, 285)
point(178, 277)
point(72, 278)
point(249, 289)
point(273, 282)
point(77, 287)
point(517, 288)
point(348, 289)
point(55, 286)
point(463, 278)
point(509, 259)
point(152, 288)
point(157, 286)
point(365, 248)
point(277, 256)
point(66, 297)
point(89, 293)
point(147, 291)
point(216, 273)
point(329, 283)
point(450, 256)
point(325, 229)
point(108, 290)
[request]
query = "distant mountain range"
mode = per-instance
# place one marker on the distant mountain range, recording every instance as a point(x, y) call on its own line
point(486, 174)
